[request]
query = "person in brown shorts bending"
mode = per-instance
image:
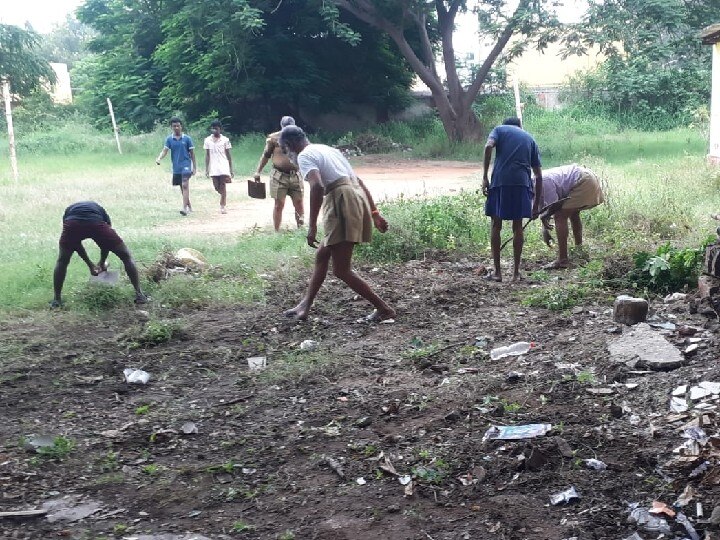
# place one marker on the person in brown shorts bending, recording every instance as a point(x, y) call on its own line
point(349, 213)
point(284, 179)
point(84, 220)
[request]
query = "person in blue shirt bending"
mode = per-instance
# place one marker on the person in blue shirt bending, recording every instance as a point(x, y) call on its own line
point(510, 195)
point(182, 154)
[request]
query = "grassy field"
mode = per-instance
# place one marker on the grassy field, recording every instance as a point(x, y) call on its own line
point(658, 184)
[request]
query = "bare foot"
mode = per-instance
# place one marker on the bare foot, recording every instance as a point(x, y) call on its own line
point(517, 277)
point(299, 312)
point(492, 276)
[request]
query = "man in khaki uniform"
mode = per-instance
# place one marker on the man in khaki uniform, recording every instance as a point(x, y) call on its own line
point(284, 179)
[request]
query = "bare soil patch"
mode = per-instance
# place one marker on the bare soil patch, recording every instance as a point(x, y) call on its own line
point(385, 176)
point(418, 394)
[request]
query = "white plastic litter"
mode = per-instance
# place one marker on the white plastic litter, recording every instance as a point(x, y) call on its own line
point(516, 349)
point(136, 376)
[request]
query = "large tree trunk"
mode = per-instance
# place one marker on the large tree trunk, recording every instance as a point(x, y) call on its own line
point(460, 122)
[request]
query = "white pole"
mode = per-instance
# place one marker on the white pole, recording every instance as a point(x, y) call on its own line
point(11, 131)
point(115, 128)
point(518, 105)
point(714, 154)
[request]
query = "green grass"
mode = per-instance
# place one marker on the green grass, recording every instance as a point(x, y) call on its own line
point(659, 189)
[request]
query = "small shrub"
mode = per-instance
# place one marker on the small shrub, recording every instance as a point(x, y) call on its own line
point(159, 331)
point(668, 269)
point(62, 446)
point(556, 298)
point(101, 297)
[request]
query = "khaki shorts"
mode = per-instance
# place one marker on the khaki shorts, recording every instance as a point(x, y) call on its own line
point(587, 192)
point(284, 184)
point(346, 214)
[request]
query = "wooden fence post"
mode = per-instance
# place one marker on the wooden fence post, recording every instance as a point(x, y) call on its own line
point(11, 131)
point(115, 128)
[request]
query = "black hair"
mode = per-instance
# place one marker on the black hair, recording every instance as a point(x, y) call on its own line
point(175, 120)
point(512, 121)
point(292, 134)
point(216, 123)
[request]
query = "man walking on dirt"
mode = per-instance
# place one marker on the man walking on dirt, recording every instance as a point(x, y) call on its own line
point(284, 179)
point(349, 213)
point(582, 189)
point(182, 154)
point(84, 220)
point(510, 194)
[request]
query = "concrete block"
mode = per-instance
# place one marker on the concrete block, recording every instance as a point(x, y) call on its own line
point(629, 310)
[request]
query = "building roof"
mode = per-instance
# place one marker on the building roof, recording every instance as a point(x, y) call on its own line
point(711, 34)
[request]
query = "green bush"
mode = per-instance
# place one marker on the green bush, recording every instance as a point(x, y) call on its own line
point(101, 297)
point(668, 269)
point(555, 297)
point(418, 225)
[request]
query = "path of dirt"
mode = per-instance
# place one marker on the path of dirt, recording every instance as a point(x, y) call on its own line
point(281, 453)
point(386, 177)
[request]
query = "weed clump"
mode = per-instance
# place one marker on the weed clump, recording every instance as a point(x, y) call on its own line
point(101, 297)
point(556, 298)
point(668, 269)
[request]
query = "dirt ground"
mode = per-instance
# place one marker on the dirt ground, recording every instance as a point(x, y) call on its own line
point(386, 177)
point(321, 444)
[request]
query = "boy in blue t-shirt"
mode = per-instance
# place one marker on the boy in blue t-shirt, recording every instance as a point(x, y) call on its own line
point(182, 154)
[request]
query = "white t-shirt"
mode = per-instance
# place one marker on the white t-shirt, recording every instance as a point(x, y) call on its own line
point(218, 161)
point(328, 161)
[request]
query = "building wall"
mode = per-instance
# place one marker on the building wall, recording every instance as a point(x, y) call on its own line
point(61, 91)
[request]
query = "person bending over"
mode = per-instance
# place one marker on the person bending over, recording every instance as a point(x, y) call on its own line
point(87, 219)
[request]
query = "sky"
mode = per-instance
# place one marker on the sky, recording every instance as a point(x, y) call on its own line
point(42, 14)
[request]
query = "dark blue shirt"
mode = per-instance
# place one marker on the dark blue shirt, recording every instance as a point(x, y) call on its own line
point(180, 153)
point(88, 211)
point(515, 153)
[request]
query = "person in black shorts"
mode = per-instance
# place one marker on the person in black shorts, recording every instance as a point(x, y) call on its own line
point(87, 219)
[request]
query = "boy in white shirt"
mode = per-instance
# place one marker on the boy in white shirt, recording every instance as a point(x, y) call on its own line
point(349, 214)
point(218, 161)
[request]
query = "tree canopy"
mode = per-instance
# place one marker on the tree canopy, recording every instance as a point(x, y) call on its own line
point(250, 61)
point(656, 63)
point(20, 62)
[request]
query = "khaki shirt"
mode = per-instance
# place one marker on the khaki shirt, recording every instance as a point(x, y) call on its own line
point(273, 151)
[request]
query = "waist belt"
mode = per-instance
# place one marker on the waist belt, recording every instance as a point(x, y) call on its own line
point(342, 181)
point(290, 172)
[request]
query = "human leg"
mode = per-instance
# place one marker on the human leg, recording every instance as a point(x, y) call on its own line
point(64, 256)
point(185, 187)
point(299, 210)
point(277, 211)
point(577, 227)
point(220, 186)
point(518, 242)
point(322, 261)
point(342, 268)
point(123, 253)
point(496, 228)
point(562, 231)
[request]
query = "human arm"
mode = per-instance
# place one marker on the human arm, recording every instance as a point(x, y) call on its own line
point(537, 170)
point(380, 222)
point(486, 165)
point(316, 197)
point(266, 155)
point(163, 153)
point(84, 256)
point(102, 264)
point(229, 158)
point(207, 162)
point(192, 158)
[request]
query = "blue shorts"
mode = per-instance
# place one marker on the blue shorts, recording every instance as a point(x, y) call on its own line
point(178, 179)
point(509, 202)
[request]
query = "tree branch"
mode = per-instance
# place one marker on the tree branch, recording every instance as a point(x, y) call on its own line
point(482, 73)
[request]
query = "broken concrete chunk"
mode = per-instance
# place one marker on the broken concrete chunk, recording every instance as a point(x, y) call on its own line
point(629, 310)
point(641, 346)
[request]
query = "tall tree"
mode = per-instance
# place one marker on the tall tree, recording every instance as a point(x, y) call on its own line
point(20, 62)
point(498, 22)
point(66, 42)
